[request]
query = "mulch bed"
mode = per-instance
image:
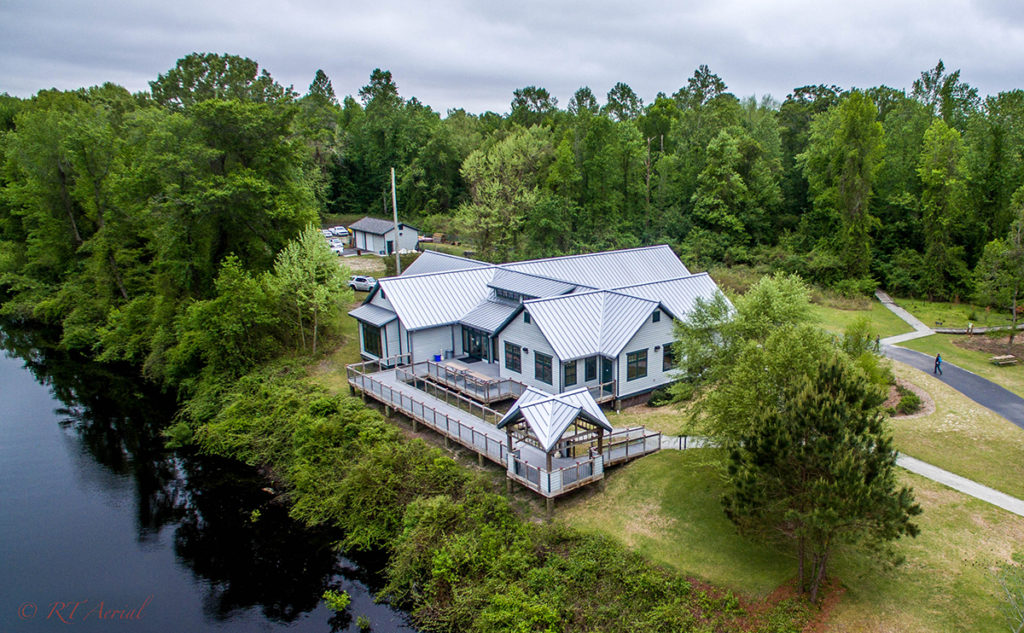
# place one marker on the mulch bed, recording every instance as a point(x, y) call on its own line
point(994, 345)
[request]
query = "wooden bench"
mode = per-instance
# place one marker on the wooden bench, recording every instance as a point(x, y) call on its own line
point(1008, 359)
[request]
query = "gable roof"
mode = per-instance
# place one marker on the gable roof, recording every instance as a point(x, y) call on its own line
point(440, 289)
point(435, 299)
point(608, 269)
point(532, 286)
point(372, 314)
point(376, 226)
point(549, 415)
point(589, 323)
point(678, 296)
point(490, 315)
point(438, 262)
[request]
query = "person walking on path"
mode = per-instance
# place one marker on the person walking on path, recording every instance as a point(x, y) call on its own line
point(938, 365)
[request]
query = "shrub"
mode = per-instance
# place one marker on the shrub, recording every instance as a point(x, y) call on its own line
point(909, 403)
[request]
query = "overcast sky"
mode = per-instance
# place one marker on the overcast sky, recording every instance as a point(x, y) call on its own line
point(459, 53)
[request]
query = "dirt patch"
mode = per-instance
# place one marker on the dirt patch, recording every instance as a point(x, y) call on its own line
point(994, 345)
point(366, 264)
point(927, 402)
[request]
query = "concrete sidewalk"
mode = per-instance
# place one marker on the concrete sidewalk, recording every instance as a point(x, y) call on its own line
point(961, 484)
point(920, 329)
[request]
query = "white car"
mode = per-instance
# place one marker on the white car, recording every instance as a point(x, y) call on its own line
point(362, 283)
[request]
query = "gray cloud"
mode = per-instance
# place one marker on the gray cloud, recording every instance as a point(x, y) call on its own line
point(459, 53)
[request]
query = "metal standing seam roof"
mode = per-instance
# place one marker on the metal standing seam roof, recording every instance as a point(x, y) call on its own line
point(549, 415)
point(376, 226)
point(678, 296)
point(586, 324)
point(436, 299)
point(490, 315)
point(528, 285)
point(374, 315)
point(609, 269)
point(436, 262)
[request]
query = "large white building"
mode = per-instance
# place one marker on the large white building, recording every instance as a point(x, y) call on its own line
point(602, 321)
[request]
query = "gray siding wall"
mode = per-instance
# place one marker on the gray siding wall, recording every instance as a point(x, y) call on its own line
point(408, 239)
point(649, 336)
point(381, 302)
point(529, 336)
point(426, 343)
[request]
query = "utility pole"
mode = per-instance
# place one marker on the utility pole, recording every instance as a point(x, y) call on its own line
point(394, 207)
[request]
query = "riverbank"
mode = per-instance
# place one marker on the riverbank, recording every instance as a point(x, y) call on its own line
point(461, 556)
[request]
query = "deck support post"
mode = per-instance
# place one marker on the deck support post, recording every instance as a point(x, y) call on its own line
point(387, 411)
point(351, 390)
point(550, 503)
point(508, 485)
point(447, 442)
point(480, 460)
point(415, 425)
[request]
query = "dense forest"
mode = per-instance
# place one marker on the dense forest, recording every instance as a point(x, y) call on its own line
point(125, 218)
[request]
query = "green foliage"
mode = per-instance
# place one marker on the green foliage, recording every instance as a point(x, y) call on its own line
point(842, 159)
point(819, 472)
point(336, 600)
point(909, 402)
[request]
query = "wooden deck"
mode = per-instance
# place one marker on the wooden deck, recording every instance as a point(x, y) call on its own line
point(472, 425)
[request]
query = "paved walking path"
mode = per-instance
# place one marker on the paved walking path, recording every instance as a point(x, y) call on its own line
point(966, 486)
point(984, 392)
point(920, 329)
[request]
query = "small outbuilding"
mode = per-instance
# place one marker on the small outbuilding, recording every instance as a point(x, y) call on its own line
point(378, 236)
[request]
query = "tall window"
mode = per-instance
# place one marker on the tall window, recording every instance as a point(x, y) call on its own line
point(542, 367)
point(668, 359)
point(513, 357)
point(526, 317)
point(636, 365)
point(371, 339)
point(656, 316)
point(569, 373)
point(590, 368)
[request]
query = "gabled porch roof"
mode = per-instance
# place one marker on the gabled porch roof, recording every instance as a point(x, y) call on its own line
point(549, 415)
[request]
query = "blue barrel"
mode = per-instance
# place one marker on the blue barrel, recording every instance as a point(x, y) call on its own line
point(437, 358)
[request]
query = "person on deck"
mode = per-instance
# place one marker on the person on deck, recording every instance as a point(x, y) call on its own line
point(938, 365)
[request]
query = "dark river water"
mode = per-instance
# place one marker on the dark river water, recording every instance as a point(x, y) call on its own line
point(101, 529)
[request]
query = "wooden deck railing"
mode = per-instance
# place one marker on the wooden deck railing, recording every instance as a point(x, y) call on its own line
point(486, 390)
point(619, 446)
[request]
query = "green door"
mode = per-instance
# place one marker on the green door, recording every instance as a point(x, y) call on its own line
point(607, 375)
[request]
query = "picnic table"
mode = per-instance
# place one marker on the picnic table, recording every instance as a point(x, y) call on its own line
point(1008, 359)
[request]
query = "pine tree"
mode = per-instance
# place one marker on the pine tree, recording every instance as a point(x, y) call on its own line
point(820, 471)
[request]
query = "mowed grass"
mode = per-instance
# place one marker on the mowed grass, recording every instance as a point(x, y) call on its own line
point(836, 320)
point(667, 507)
point(946, 583)
point(953, 315)
point(962, 437)
point(1009, 377)
point(669, 419)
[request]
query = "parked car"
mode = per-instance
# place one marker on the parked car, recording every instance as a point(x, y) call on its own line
point(338, 249)
point(362, 283)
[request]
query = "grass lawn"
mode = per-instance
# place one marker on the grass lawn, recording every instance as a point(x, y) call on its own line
point(962, 437)
point(330, 372)
point(955, 315)
point(667, 507)
point(836, 320)
point(1010, 377)
point(451, 249)
point(670, 419)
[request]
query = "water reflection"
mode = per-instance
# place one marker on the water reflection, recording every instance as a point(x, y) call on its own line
point(231, 532)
